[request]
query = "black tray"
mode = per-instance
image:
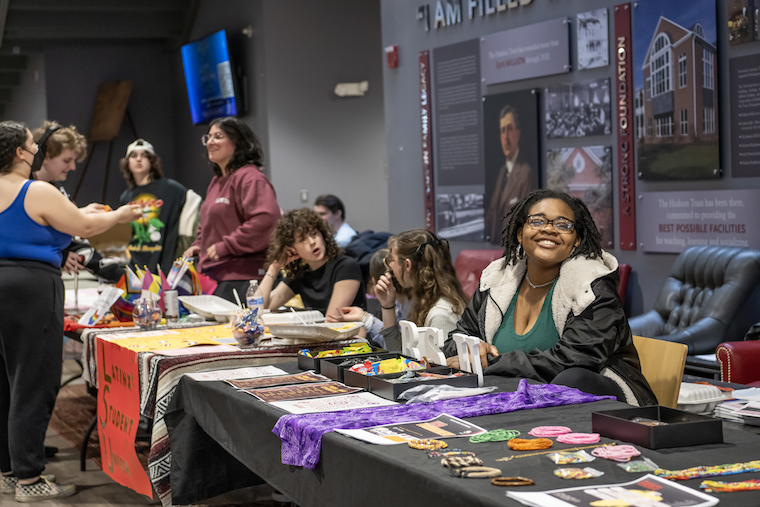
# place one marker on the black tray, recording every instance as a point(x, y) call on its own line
point(682, 428)
point(379, 385)
point(354, 379)
point(329, 366)
point(313, 363)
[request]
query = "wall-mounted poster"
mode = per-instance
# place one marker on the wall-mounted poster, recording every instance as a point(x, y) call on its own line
point(585, 172)
point(676, 83)
point(675, 221)
point(578, 109)
point(743, 74)
point(593, 40)
point(510, 142)
point(528, 51)
point(459, 216)
point(742, 21)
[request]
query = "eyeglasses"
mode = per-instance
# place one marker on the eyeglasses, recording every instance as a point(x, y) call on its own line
point(218, 136)
point(561, 224)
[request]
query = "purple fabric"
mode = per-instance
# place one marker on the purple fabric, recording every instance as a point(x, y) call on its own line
point(301, 434)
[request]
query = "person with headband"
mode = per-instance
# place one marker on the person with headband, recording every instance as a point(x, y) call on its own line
point(549, 309)
point(421, 263)
point(60, 148)
point(156, 232)
point(240, 210)
point(315, 267)
point(36, 224)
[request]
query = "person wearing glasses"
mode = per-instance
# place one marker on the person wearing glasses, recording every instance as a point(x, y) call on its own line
point(240, 210)
point(549, 309)
point(36, 224)
point(421, 263)
point(314, 266)
point(156, 232)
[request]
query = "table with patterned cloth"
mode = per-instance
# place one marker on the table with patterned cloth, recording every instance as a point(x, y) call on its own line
point(158, 378)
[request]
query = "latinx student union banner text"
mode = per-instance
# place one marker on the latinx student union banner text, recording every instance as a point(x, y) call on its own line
point(675, 221)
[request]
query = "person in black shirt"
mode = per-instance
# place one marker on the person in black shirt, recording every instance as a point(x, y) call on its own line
point(315, 267)
point(155, 233)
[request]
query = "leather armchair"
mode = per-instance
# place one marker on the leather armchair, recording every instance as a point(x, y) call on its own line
point(705, 300)
point(739, 362)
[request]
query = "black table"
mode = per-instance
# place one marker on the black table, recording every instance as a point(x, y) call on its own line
point(221, 439)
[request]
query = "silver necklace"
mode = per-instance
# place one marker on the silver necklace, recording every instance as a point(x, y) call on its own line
point(542, 285)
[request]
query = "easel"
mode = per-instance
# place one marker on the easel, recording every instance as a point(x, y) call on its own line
point(105, 125)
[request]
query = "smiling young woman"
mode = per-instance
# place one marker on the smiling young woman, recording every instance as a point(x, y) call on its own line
point(549, 310)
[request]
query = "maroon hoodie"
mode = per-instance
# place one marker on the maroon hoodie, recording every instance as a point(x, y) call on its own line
point(238, 217)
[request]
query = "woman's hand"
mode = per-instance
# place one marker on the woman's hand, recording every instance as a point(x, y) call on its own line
point(192, 251)
point(127, 213)
point(352, 314)
point(453, 362)
point(289, 255)
point(73, 263)
point(211, 253)
point(386, 291)
point(484, 349)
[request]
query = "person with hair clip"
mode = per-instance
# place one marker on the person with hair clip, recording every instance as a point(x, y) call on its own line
point(421, 263)
point(315, 267)
point(155, 234)
point(60, 148)
point(36, 224)
point(240, 210)
point(549, 309)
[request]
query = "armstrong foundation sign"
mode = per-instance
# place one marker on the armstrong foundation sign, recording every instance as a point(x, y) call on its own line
point(624, 127)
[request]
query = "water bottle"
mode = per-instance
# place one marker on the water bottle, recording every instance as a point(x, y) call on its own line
point(254, 301)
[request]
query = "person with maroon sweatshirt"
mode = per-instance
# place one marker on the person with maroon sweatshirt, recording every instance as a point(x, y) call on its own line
point(240, 210)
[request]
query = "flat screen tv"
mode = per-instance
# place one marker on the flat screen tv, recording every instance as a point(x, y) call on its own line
point(209, 79)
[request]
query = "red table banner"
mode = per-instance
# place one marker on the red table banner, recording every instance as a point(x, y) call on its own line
point(119, 415)
point(625, 127)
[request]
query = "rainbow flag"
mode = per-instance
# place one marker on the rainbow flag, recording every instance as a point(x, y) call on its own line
point(131, 287)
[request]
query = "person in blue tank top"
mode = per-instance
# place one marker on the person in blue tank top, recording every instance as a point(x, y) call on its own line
point(549, 309)
point(36, 224)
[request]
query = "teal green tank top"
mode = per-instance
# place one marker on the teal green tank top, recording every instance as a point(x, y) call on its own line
point(543, 335)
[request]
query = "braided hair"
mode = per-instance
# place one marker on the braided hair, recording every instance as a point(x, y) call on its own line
point(585, 228)
point(432, 273)
point(12, 135)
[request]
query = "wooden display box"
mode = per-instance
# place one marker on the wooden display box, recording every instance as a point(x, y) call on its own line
point(313, 363)
point(379, 385)
point(682, 428)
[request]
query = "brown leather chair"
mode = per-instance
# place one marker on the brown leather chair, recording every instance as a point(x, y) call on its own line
point(705, 299)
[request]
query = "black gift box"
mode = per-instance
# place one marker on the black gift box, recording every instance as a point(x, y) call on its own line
point(330, 366)
point(682, 428)
point(379, 385)
point(313, 363)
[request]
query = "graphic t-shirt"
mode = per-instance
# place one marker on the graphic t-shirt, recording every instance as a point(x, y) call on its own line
point(154, 234)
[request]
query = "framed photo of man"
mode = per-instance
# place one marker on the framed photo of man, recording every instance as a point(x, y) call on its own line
point(510, 145)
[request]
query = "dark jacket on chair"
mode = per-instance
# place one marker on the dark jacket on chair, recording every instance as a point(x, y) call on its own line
point(590, 320)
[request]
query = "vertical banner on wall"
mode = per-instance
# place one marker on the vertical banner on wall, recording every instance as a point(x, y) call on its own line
point(427, 141)
point(624, 128)
point(119, 415)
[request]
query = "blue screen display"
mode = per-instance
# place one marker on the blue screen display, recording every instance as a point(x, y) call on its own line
point(208, 75)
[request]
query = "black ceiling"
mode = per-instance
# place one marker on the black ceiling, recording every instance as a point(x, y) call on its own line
point(27, 25)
